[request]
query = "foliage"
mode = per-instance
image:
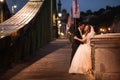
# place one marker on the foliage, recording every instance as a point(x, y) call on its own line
point(102, 17)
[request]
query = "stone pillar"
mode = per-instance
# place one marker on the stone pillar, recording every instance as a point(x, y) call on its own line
point(106, 56)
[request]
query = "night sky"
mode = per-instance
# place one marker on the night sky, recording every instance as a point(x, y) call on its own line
point(93, 5)
point(19, 3)
point(84, 5)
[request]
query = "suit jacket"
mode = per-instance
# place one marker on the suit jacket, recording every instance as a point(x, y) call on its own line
point(76, 42)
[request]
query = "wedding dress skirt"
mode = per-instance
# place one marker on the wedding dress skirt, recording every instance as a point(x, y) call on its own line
point(81, 62)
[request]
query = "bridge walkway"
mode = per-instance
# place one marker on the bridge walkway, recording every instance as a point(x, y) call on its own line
point(49, 63)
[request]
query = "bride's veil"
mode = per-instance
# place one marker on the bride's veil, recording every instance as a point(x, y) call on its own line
point(92, 32)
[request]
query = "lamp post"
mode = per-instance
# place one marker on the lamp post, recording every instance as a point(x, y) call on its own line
point(59, 23)
point(1, 10)
point(13, 7)
point(59, 15)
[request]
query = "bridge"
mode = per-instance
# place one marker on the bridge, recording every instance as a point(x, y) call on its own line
point(25, 32)
point(31, 50)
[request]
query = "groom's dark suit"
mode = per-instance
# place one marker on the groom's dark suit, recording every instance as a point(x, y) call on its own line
point(76, 43)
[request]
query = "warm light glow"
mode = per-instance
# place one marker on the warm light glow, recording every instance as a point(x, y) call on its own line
point(62, 34)
point(59, 25)
point(59, 22)
point(103, 30)
point(54, 20)
point(2, 36)
point(59, 14)
point(1, 0)
point(109, 29)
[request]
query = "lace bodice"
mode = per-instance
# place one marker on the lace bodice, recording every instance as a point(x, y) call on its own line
point(88, 38)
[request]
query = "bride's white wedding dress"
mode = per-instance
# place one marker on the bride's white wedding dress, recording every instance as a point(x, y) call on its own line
point(81, 62)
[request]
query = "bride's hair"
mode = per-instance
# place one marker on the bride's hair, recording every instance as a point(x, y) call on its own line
point(88, 30)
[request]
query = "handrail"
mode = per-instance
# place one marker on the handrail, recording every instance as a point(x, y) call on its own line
point(26, 32)
point(23, 17)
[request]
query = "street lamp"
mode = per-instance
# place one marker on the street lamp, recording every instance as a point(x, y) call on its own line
point(13, 8)
point(59, 15)
point(1, 11)
point(59, 22)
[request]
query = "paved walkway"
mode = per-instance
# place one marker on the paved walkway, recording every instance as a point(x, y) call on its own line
point(50, 63)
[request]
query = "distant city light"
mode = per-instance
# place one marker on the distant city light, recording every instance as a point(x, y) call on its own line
point(109, 29)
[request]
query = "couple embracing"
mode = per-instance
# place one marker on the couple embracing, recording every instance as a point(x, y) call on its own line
point(81, 50)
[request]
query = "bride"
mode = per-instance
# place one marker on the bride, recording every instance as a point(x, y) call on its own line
point(81, 63)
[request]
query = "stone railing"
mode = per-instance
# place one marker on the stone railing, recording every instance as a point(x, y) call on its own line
point(106, 56)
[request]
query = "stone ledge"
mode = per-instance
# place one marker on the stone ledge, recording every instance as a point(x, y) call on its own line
point(106, 57)
point(107, 39)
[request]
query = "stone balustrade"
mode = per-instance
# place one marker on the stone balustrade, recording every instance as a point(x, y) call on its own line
point(106, 56)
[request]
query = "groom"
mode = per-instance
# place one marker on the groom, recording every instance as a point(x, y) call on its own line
point(78, 33)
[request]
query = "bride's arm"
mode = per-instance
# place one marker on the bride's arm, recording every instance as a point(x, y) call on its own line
point(81, 40)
